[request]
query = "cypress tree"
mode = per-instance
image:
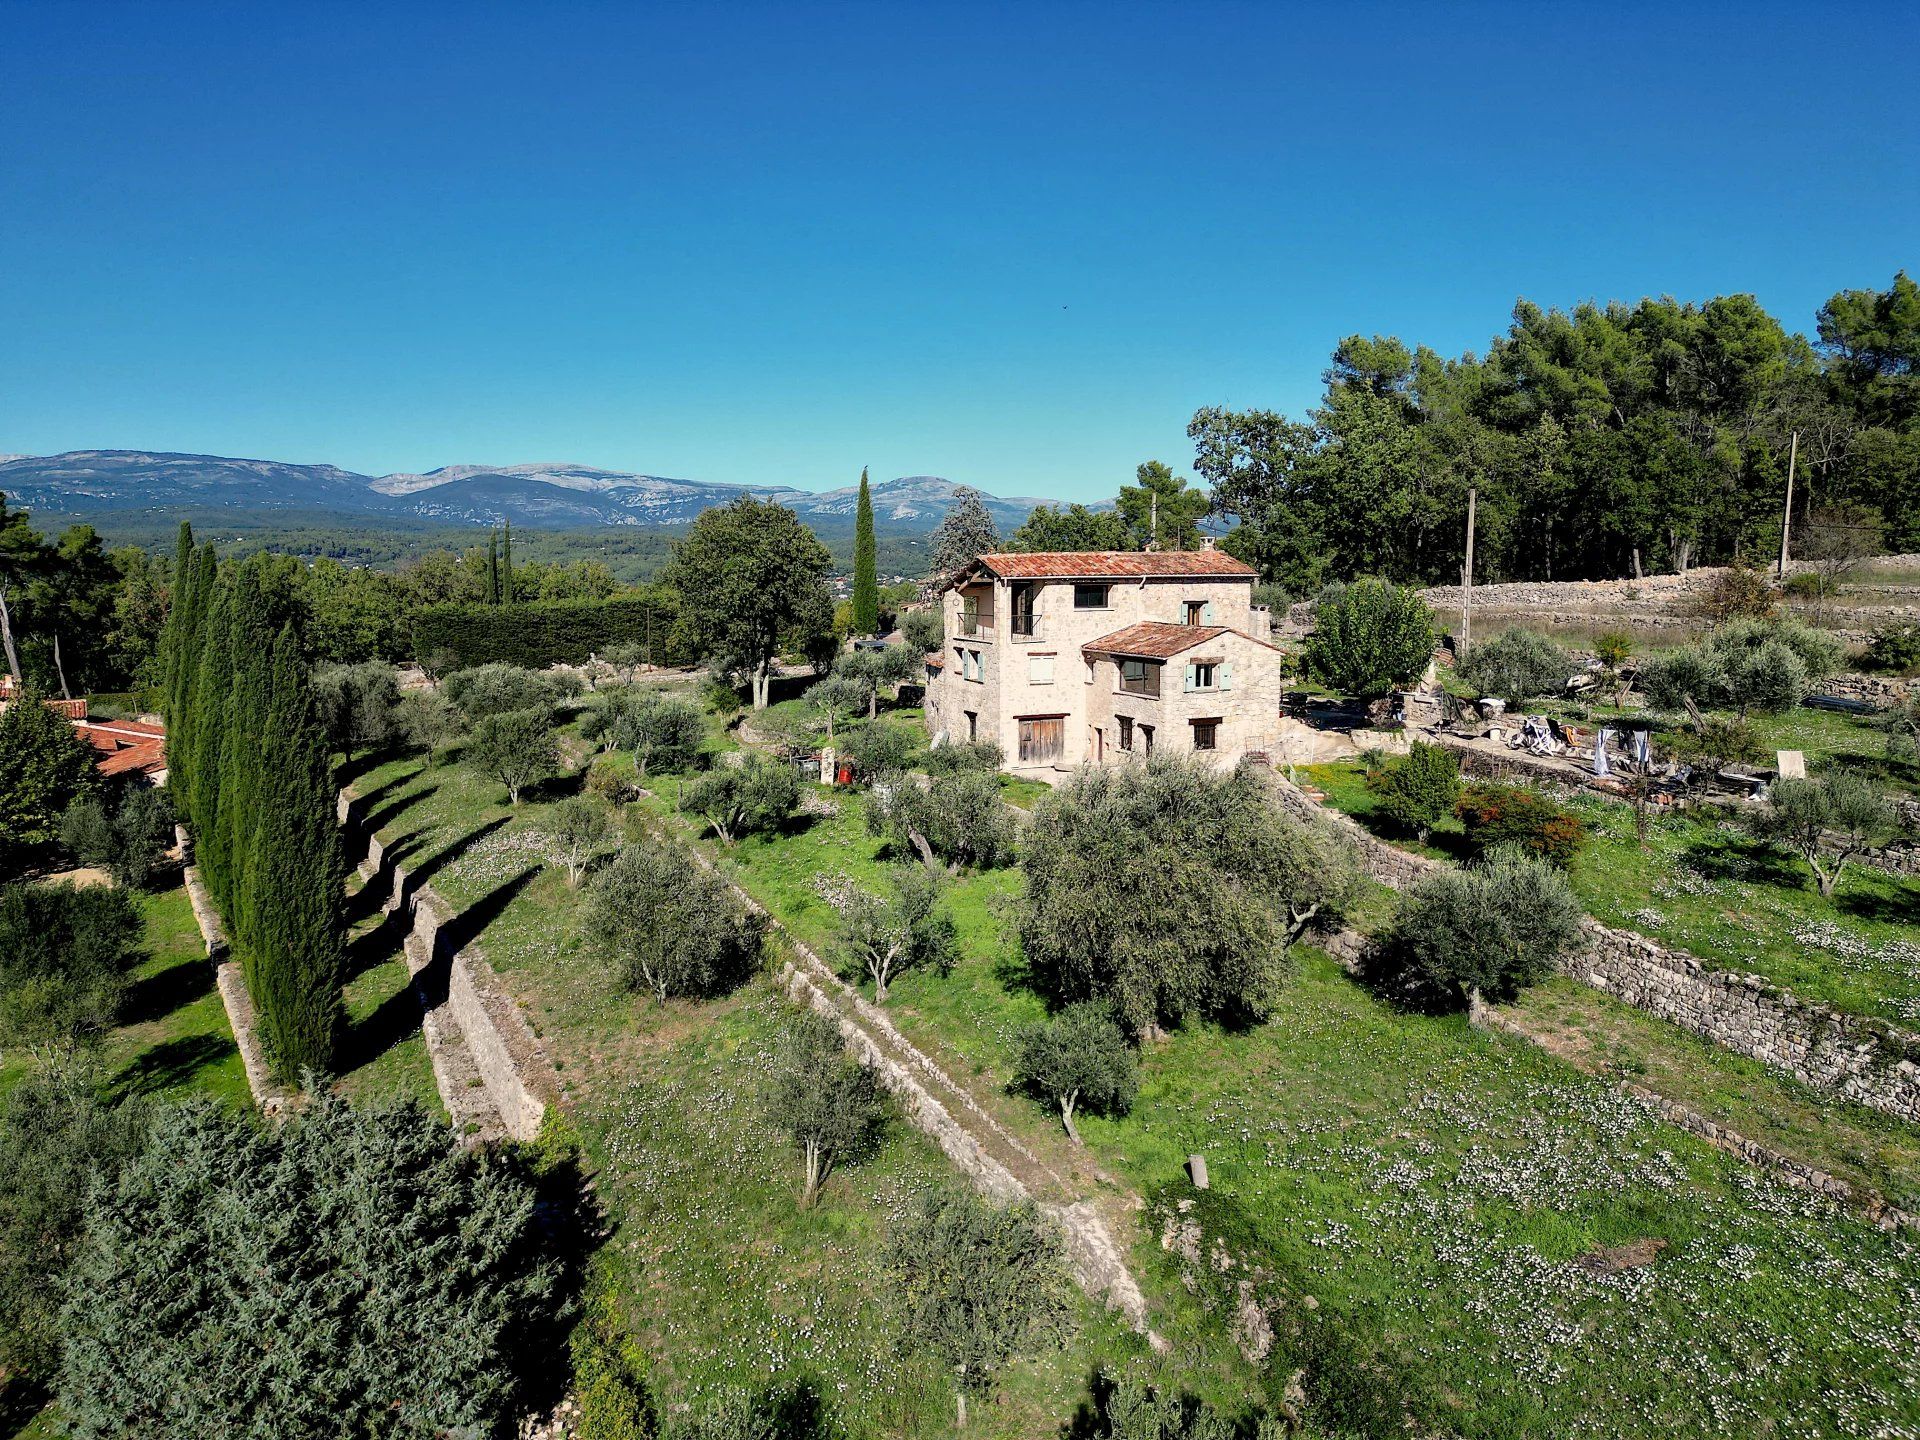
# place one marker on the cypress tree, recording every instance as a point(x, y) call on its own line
point(172, 666)
point(506, 566)
point(866, 576)
point(249, 742)
point(298, 879)
point(493, 567)
point(212, 708)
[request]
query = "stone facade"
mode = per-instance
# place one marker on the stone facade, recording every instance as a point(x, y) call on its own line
point(1021, 646)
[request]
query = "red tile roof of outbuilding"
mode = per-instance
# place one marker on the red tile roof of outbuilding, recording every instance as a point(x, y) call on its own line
point(1154, 639)
point(1117, 565)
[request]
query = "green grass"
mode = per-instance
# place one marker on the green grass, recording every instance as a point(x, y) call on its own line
point(173, 1037)
point(1702, 886)
point(383, 1052)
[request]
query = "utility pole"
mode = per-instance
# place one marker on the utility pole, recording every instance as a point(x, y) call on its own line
point(1786, 515)
point(1466, 579)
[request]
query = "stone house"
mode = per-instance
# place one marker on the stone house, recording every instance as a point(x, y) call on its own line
point(1104, 657)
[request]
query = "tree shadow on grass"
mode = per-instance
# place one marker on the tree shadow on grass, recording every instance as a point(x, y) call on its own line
point(1902, 908)
point(1744, 859)
point(380, 943)
point(171, 1064)
point(158, 995)
point(396, 807)
point(462, 929)
point(392, 1021)
point(406, 847)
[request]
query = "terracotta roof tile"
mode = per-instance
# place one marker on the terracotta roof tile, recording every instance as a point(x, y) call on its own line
point(1154, 639)
point(145, 758)
point(1117, 565)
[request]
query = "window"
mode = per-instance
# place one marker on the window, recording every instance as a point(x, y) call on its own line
point(971, 667)
point(1146, 738)
point(1200, 675)
point(1090, 597)
point(1196, 610)
point(1126, 732)
point(973, 725)
point(1206, 734)
point(1040, 669)
point(1140, 677)
point(1023, 609)
point(1040, 739)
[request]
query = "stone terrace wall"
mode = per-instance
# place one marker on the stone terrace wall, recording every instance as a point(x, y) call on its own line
point(1861, 1059)
point(475, 1030)
point(271, 1096)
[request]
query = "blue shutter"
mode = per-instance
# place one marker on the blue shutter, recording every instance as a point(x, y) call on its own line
point(1206, 615)
point(1192, 679)
point(1223, 675)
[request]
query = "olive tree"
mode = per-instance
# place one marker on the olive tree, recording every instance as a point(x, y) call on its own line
point(576, 829)
point(895, 930)
point(130, 843)
point(672, 926)
point(1517, 666)
point(955, 820)
point(1079, 1059)
point(515, 747)
point(663, 733)
point(1173, 892)
point(359, 705)
point(496, 688)
point(1826, 821)
point(978, 1284)
point(827, 1102)
point(1491, 929)
point(754, 797)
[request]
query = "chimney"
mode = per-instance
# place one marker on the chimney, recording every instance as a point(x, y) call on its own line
point(1206, 542)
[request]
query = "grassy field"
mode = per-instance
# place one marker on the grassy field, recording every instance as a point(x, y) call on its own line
point(1707, 888)
point(1455, 1193)
point(172, 1038)
point(721, 1275)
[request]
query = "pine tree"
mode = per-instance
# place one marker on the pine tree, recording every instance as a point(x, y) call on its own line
point(298, 877)
point(506, 566)
point(866, 578)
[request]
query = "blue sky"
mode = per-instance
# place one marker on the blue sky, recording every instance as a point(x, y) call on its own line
point(1014, 245)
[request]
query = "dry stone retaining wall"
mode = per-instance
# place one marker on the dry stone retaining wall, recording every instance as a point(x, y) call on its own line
point(271, 1096)
point(494, 1075)
point(1863, 1060)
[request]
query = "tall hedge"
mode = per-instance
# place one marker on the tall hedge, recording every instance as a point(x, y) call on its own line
point(248, 767)
point(554, 632)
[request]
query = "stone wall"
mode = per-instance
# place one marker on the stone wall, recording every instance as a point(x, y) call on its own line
point(271, 1096)
point(490, 1068)
point(1797, 1173)
point(1862, 1059)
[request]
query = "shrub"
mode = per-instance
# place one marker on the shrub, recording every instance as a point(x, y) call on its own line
point(129, 845)
point(1517, 666)
point(1496, 927)
point(406, 1283)
point(1417, 790)
point(957, 818)
point(608, 781)
point(1514, 815)
point(1080, 1059)
point(1370, 636)
point(577, 827)
point(496, 689)
point(1745, 665)
point(1614, 648)
point(827, 1102)
point(1715, 743)
point(58, 1138)
point(1739, 591)
point(752, 798)
point(971, 755)
point(978, 1285)
point(1896, 649)
point(673, 927)
point(64, 958)
point(1688, 673)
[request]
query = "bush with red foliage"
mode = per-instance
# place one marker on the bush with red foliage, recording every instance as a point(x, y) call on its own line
point(1514, 815)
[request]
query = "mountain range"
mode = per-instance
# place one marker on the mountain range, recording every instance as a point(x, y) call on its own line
point(114, 485)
